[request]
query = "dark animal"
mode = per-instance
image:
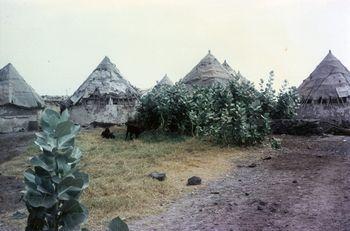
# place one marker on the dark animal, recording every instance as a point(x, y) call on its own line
point(133, 129)
point(107, 134)
point(65, 104)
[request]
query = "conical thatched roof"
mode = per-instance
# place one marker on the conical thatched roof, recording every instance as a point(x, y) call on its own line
point(228, 67)
point(105, 80)
point(207, 72)
point(233, 72)
point(165, 81)
point(330, 79)
point(14, 89)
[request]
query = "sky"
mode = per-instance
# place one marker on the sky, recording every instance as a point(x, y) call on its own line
point(55, 45)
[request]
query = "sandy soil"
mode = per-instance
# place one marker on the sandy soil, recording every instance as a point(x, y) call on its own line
point(305, 186)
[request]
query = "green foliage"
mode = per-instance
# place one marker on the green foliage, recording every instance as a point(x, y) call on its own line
point(53, 184)
point(267, 95)
point(275, 143)
point(233, 114)
point(287, 103)
point(166, 107)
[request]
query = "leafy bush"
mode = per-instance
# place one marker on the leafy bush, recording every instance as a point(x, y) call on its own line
point(53, 184)
point(267, 95)
point(166, 107)
point(275, 143)
point(233, 114)
point(287, 103)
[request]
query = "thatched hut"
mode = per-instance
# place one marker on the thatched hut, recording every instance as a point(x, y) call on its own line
point(235, 74)
point(20, 105)
point(207, 72)
point(105, 97)
point(325, 94)
point(165, 81)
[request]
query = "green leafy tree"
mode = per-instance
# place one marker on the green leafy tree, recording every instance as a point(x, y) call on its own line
point(54, 184)
point(287, 103)
point(234, 114)
point(267, 94)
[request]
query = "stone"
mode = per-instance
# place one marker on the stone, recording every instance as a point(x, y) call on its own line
point(158, 176)
point(253, 165)
point(195, 180)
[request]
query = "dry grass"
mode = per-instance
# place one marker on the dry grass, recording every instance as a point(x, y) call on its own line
point(118, 171)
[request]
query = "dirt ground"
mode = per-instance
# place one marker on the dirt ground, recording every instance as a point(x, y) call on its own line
point(12, 145)
point(303, 186)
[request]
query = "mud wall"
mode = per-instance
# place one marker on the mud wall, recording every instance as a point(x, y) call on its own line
point(15, 119)
point(86, 114)
point(331, 112)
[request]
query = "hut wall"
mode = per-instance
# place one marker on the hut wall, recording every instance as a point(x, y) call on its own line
point(15, 119)
point(331, 112)
point(107, 113)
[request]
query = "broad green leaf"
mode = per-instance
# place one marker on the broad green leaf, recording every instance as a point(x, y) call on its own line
point(37, 199)
point(72, 215)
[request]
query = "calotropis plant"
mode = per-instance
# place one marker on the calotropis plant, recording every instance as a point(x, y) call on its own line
point(54, 184)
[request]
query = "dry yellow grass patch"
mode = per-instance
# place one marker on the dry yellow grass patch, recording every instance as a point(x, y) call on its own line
point(118, 169)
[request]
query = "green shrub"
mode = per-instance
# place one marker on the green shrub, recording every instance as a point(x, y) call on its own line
point(53, 184)
point(166, 107)
point(287, 103)
point(233, 114)
point(275, 143)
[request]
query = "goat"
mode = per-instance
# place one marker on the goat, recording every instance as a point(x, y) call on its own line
point(133, 128)
point(107, 134)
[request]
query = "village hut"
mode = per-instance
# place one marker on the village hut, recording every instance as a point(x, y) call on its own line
point(165, 81)
point(235, 74)
point(207, 72)
point(20, 105)
point(54, 101)
point(228, 68)
point(325, 94)
point(105, 97)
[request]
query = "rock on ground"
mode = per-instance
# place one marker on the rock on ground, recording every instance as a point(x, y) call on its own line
point(305, 186)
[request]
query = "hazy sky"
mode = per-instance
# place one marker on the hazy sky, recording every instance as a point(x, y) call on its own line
point(55, 45)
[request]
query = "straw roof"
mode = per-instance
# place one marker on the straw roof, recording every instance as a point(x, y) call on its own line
point(14, 89)
point(228, 68)
point(330, 79)
point(241, 79)
point(165, 81)
point(105, 80)
point(207, 72)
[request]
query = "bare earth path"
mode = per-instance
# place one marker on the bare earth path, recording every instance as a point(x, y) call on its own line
point(305, 186)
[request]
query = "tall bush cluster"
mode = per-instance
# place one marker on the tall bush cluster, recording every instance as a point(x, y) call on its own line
point(233, 114)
